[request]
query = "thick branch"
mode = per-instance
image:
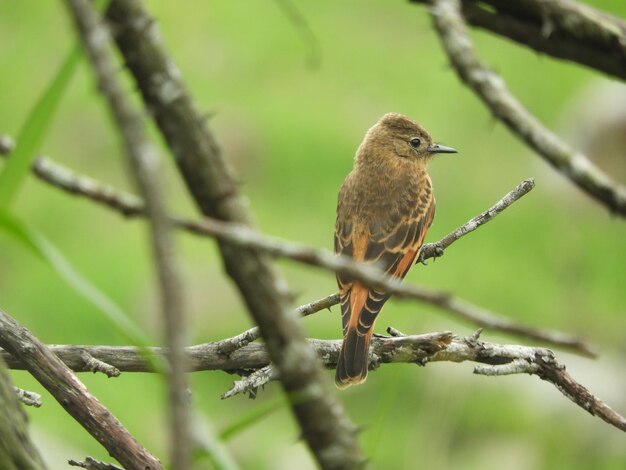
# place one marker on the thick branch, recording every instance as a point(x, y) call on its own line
point(72, 395)
point(490, 87)
point(145, 164)
point(563, 29)
point(495, 359)
point(325, 427)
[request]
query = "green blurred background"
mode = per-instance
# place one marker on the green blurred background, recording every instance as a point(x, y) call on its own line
point(556, 259)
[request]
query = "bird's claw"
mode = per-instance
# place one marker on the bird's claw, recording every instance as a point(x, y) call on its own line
point(429, 250)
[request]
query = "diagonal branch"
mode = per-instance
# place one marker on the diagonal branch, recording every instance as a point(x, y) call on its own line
point(433, 250)
point(145, 165)
point(72, 395)
point(490, 87)
point(564, 29)
point(325, 426)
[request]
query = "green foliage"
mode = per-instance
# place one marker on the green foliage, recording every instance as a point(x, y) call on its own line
point(35, 128)
point(37, 244)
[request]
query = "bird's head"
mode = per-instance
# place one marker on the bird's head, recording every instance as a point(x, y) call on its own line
point(395, 137)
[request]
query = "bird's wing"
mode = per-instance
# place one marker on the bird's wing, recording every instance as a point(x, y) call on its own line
point(392, 244)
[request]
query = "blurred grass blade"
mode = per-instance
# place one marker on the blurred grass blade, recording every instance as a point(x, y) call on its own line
point(37, 244)
point(257, 414)
point(34, 129)
point(209, 449)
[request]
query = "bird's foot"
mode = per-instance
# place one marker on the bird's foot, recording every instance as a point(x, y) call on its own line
point(429, 250)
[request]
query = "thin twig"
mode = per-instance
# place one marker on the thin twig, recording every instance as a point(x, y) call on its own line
point(251, 383)
point(95, 365)
point(72, 395)
point(145, 164)
point(490, 87)
point(93, 464)
point(433, 250)
point(28, 398)
point(227, 346)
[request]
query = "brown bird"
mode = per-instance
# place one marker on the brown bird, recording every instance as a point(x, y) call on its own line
point(385, 207)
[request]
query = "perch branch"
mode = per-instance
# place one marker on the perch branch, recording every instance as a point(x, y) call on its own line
point(433, 250)
point(145, 165)
point(127, 205)
point(325, 426)
point(72, 395)
point(490, 87)
point(493, 359)
point(563, 29)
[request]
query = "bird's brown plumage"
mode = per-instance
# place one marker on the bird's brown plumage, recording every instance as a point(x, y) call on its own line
point(384, 210)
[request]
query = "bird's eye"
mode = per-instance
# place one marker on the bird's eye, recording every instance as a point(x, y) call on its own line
point(415, 142)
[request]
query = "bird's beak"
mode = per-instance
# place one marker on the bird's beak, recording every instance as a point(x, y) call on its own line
point(437, 148)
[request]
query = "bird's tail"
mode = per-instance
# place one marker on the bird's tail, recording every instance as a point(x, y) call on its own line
point(353, 359)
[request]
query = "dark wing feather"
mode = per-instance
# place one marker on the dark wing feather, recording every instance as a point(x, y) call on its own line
point(393, 251)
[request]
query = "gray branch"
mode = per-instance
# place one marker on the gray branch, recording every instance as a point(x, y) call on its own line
point(325, 426)
point(490, 87)
point(95, 365)
point(27, 397)
point(493, 359)
point(145, 166)
point(433, 250)
point(72, 394)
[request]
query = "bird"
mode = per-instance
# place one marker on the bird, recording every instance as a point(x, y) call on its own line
point(384, 209)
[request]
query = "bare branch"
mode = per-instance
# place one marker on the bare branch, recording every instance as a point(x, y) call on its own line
point(145, 164)
point(325, 426)
point(494, 360)
point(130, 205)
point(28, 398)
point(433, 250)
point(95, 365)
point(227, 346)
point(490, 87)
point(251, 383)
point(564, 29)
point(72, 395)
point(93, 464)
